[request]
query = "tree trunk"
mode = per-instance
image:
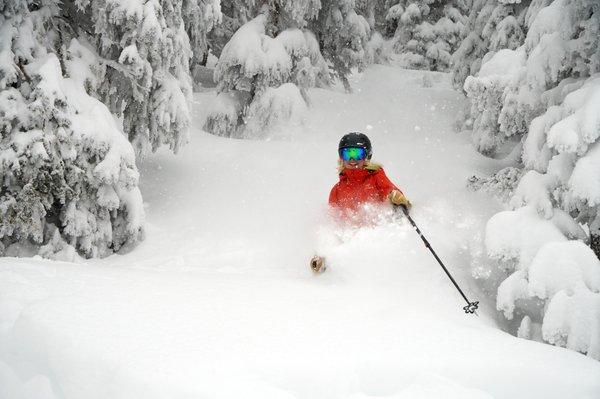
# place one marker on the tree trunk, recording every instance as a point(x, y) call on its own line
point(595, 235)
point(595, 244)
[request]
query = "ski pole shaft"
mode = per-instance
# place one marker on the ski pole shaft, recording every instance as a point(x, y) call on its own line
point(471, 306)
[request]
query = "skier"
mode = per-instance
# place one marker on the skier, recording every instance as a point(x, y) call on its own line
point(361, 182)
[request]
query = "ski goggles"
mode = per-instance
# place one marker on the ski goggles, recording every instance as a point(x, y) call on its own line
point(355, 153)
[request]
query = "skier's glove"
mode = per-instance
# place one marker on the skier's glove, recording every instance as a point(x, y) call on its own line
point(397, 198)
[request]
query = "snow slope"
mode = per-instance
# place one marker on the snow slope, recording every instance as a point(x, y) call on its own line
point(218, 301)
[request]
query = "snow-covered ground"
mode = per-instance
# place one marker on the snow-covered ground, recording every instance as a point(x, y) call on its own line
point(218, 300)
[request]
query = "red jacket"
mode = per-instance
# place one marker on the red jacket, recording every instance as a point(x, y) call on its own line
point(358, 186)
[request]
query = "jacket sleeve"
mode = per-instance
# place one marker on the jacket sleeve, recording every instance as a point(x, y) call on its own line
point(384, 185)
point(333, 200)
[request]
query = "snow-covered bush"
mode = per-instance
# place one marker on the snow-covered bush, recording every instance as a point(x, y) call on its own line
point(377, 53)
point(546, 93)
point(559, 193)
point(144, 52)
point(275, 108)
point(69, 181)
point(562, 274)
point(428, 31)
point(225, 116)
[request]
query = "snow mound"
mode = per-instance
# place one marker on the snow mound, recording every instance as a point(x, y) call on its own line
point(276, 110)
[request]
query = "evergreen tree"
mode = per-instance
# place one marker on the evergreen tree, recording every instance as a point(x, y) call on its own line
point(544, 94)
point(264, 70)
point(492, 25)
point(145, 53)
point(69, 181)
point(234, 14)
point(375, 12)
point(258, 78)
point(427, 31)
point(343, 37)
point(200, 18)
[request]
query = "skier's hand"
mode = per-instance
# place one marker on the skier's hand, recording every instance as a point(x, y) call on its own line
point(397, 198)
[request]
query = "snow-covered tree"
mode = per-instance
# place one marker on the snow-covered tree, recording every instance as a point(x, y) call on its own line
point(343, 37)
point(144, 52)
point(69, 181)
point(319, 39)
point(486, 91)
point(375, 12)
point(234, 14)
point(427, 31)
point(546, 94)
point(492, 25)
point(200, 18)
point(376, 49)
point(262, 79)
point(515, 86)
point(308, 65)
point(554, 282)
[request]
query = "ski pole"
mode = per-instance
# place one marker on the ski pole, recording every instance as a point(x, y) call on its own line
point(471, 306)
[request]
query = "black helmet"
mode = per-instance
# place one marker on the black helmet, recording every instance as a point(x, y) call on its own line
point(355, 139)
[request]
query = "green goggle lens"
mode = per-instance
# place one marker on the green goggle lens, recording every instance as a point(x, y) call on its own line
point(355, 153)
